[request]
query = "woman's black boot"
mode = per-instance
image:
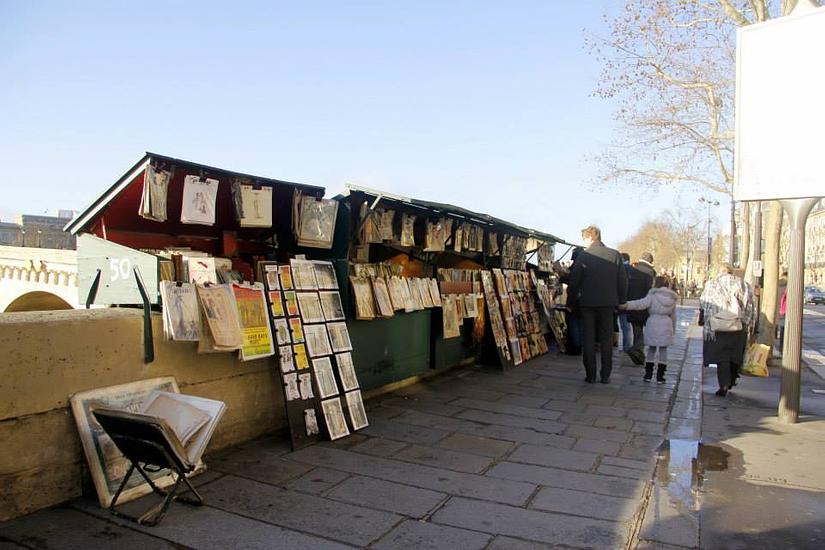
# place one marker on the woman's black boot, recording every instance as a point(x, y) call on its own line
point(660, 373)
point(648, 371)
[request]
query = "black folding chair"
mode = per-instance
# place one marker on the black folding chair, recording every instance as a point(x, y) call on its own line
point(150, 446)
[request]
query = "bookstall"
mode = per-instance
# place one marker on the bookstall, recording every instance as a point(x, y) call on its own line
point(239, 264)
point(453, 284)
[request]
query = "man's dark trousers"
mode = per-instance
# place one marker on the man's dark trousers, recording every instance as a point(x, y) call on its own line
point(597, 327)
point(637, 350)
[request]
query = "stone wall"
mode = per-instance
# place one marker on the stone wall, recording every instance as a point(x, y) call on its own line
point(47, 356)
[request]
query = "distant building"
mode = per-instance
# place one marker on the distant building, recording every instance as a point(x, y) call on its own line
point(814, 246)
point(38, 231)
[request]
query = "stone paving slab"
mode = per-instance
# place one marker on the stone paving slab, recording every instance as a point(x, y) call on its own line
point(384, 495)
point(417, 535)
point(510, 420)
point(443, 458)
point(565, 479)
point(589, 505)
point(554, 458)
point(427, 477)
point(258, 465)
point(504, 408)
point(408, 433)
point(377, 446)
point(548, 527)
point(317, 481)
point(509, 543)
point(474, 444)
point(307, 513)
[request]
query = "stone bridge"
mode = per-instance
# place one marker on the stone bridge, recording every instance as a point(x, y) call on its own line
point(36, 279)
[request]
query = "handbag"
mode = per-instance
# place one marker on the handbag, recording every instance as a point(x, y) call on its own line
point(725, 321)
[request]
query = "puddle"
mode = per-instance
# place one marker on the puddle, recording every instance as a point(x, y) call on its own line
point(682, 463)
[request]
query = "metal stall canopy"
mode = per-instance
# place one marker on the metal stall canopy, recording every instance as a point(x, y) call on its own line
point(111, 233)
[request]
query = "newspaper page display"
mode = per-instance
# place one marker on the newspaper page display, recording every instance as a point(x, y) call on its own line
point(252, 310)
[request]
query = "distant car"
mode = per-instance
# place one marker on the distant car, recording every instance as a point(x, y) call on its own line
point(814, 295)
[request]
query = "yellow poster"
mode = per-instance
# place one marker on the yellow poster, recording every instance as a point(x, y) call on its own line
point(252, 311)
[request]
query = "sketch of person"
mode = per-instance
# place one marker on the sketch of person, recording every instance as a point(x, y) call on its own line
point(199, 202)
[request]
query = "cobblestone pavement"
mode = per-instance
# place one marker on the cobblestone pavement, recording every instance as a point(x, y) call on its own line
point(476, 458)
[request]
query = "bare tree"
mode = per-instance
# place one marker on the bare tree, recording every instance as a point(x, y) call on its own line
point(670, 67)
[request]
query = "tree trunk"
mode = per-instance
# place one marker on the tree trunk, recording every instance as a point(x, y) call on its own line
point(772, 229)
point(745, 231)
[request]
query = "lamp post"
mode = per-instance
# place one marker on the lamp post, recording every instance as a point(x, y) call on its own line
point(710, 203)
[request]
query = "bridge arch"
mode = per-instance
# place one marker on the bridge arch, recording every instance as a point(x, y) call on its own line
point(38, 300)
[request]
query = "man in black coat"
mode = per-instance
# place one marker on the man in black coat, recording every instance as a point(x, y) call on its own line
point(599, 280)
point(640, 280)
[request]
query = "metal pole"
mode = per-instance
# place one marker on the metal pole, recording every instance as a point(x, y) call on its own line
point(797, 211)
point(732, 251)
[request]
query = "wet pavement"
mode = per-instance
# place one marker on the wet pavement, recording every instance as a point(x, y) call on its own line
point(531, 458)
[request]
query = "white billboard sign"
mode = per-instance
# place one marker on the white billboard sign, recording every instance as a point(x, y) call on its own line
point(780, 113)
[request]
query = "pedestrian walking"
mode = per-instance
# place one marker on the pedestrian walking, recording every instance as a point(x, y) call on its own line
point(624, 324)
point(660, 326)
point(640, 280)
point(599, 281)
point(572, 314)
point(727, 315)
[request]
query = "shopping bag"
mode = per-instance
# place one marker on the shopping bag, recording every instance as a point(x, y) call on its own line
point(756, 360)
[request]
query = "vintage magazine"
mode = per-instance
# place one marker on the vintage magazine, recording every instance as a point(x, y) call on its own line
point(424, 290)
point(409, 302)
point(276, 306)
point(285, 359)
point(291, 389)
point(155, 187)
point(296, 330)
point(199, 196)
point(407, 230)
point(355, 406)
point(303, 274)
point(257, 206)
point(316, 221)
point(181, 319)
point(106, 463)
point(327, 387)
point(217, 303)
point(252, 310)
point(382, 297)
point(334, 416)
point(325, 275)
point(299, 353)
point(346, 371)
point(291, 299)
point(305, 385)
point(394, 285)
point(450, 316)
point(285, 275)
point(281, 331)
point(364, 300)
point(435, 293)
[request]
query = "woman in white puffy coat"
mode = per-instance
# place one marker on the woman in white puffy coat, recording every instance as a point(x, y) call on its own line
point(659, 328)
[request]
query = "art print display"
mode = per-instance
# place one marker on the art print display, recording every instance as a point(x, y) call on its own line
point(317, 341)
point(409, 302)
point(291, 389)
point(107, 464)
point(315, 221)
point(450, 316)
point(199, 196)
point(435, 293)
point(364, 300)
point(256, 206)
point(218, 306)
point(299, 353)
point(303, 275)
point(181, 319)
point(285, 359)
point(515, 346)
point(415, 292)
point(310, 307)
point(311, 422)
point(394, 284)
point(291, 299)
point(324, 377)
point(470, 306)
point(331, 305)
point(407, 230)
point(271, 278)
point(296, 330)
point(155, 187)
point(325, 275)
point(285, 275)
point(424, 291)
point(355, 406)
point(382, 297)
point(305, 386)
point(282, 331)
point(334, 417)
point(346, 371)
point(276, 306)
point(339, 337)
point(252, 311)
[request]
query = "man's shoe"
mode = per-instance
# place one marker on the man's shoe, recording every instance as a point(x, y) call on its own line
point(722, 392)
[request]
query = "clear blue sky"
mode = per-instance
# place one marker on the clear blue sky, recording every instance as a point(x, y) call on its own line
point(486, 105)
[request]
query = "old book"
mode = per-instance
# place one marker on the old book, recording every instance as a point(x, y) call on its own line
point(183, 418)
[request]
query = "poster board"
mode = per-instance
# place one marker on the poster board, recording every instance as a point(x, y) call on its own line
point(780, 118)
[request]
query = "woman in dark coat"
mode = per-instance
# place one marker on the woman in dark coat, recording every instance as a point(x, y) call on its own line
point(727, 314)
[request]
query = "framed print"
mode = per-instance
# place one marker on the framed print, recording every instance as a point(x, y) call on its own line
point(296, 330)
point(299, 353)
point(339, 337)
point(291, 299)
point(285, 357)
point(281, 332)
point(310, 307)
point(325, 275)
point(334, 417)
point(285, 276)
point(317, 340)
point(331, 305)
point(346, 371)
point(276, 306)
point(303, 275)
point(355, 406)
point(322, 367)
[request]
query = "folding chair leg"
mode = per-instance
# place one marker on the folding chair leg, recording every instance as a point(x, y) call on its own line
point(153, 516)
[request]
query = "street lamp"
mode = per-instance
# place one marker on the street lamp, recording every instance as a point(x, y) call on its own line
point(710, 204)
